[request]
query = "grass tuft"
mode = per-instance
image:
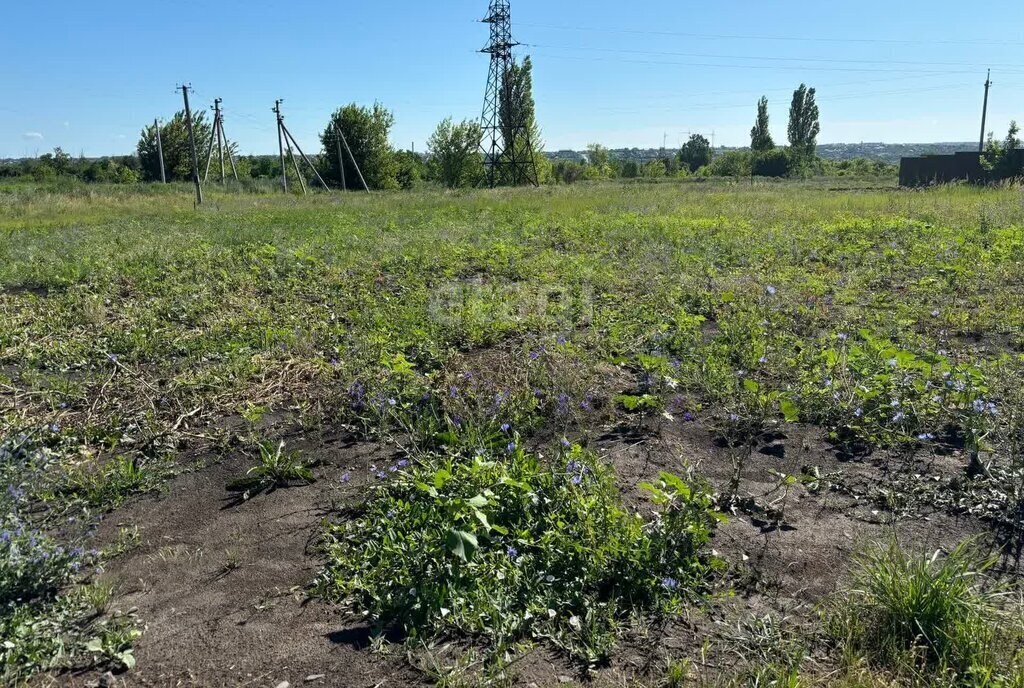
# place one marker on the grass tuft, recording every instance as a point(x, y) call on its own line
point(277, 468)
point(918, 615)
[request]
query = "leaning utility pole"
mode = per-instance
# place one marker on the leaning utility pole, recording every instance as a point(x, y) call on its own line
point(289, 141)
point(222, 143)
point(503, 121)
point(160, 151)
point(280, 144)
point(192, 142)
point(984, 112)
point(340, 136)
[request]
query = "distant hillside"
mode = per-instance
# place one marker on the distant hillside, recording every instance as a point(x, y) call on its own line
point(889, 152)
point(885, 152)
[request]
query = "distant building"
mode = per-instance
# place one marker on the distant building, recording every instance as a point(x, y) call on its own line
point(964, 166)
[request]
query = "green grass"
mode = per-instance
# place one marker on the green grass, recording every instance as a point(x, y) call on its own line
point(140, 333)
point(928, 615)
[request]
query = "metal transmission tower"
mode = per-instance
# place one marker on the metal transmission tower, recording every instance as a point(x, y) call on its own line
point(504, 120)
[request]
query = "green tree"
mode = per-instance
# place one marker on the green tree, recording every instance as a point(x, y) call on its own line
point(367, 131)
point(804, 123)
point(454, 154)
point(760, 136)
point(654, 169)
point(695, 153)
point(568, 171)
point(177, 147)
point(599, 159)
point(1004, 159)
point(411, 168)
point(518, 106)
point(771, 163)
point(735, 163)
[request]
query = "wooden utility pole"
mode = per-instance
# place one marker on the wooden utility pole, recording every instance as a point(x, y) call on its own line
point(341, 159)
point(355, 164)
point(192, 142)
point(285, 137)
point(220, 138)
point(222, 144)
point(280, 144)
point(984, 112)
point(288, 136)
point(209, 150)
point(160, 151)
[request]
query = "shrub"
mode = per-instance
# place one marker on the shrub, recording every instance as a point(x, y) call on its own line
point(731, 164)
point(510, 550)
point(910, 613)
point(773, 163)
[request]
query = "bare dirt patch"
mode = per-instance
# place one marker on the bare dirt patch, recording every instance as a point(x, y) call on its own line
point(220, 584)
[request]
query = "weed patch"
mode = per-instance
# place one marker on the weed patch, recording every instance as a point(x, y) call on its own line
point(925, 615)
point(506, 550)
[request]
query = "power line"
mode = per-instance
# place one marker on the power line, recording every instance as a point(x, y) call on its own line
point(825, 99)
point(798, 68)
point(761, 58)
point(754, 91)
point(788, 39)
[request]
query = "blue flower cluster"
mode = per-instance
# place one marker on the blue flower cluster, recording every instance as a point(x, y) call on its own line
point(33, 565)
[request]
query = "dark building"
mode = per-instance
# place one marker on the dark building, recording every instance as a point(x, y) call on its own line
point(942, 169)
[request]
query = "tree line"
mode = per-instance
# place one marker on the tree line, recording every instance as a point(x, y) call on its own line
point(454, 159)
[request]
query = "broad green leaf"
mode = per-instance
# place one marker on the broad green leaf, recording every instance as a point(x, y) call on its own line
point(789, 410)
point(441, 477)
point(462, 544)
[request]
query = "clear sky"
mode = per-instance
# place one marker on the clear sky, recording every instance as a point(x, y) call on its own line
point(87, 76)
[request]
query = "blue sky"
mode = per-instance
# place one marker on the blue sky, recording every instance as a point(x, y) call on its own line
point(87, 76)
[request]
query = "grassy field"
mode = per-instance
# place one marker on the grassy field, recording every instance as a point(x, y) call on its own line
point(702, 434)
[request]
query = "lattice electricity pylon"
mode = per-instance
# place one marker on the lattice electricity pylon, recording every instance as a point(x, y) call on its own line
point(507, 160)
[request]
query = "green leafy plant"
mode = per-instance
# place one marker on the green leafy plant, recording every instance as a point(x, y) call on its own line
point(511, 550)
point(276, 469)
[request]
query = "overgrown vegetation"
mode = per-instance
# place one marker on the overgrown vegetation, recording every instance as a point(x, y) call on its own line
point(507, 549)
point(934, 616)
point(886, 324)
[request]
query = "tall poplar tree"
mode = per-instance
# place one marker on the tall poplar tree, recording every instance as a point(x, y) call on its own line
point(760, 136)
